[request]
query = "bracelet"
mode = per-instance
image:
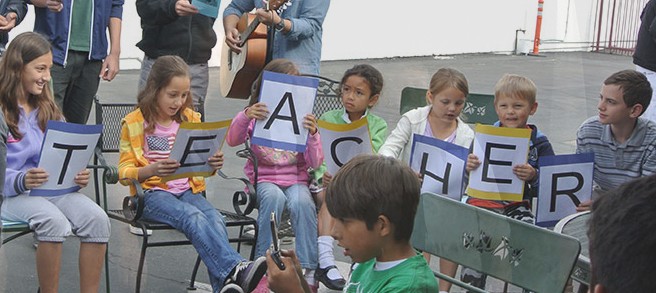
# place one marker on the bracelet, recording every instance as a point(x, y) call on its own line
point(281, 25)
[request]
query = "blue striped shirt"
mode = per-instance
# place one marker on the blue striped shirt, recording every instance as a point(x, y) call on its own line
point(617, 163)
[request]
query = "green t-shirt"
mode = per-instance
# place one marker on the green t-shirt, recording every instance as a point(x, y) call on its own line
point(377, 131)
point(411, 276)
point(80, 38)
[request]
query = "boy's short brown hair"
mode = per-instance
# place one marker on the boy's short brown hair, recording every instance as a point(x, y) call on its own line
point(634, 85)
point(516, 86)
point(369, 186)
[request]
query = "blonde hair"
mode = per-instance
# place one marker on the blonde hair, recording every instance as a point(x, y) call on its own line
point(22, 50)
point(446, 78)
point(516, 86)
point(163, 71)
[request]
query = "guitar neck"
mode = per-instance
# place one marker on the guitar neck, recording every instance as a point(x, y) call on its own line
point(248, 31)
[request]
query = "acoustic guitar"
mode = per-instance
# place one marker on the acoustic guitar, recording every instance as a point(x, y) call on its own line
point(239, 70)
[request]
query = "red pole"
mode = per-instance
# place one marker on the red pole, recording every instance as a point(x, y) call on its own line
point(538, 27)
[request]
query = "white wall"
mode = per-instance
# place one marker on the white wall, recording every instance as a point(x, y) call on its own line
point(377, 29)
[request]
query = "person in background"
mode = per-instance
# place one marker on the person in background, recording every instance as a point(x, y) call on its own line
point(77, 31)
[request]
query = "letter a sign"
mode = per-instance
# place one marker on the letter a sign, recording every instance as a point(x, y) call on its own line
point(289, 98)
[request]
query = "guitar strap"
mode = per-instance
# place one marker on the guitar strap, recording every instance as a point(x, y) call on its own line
point(271, 33)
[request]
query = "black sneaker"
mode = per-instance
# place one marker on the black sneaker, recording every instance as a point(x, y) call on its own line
point(231, 288)
point(247, 274)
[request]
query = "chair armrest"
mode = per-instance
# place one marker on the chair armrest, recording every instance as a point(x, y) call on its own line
point(133, 205)
point(245, 198)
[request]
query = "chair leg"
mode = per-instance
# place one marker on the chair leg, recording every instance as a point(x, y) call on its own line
point(241, 235)
point(255, 235)
point(142, 258)
point(107, 288)
point(192, 282)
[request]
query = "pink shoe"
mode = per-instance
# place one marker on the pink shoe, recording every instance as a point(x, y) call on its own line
point(262, 286)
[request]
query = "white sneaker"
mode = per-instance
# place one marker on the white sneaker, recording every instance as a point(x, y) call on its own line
point(137, 231)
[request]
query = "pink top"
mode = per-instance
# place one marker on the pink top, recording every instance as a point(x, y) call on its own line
point(281, 167)
point(158, 147)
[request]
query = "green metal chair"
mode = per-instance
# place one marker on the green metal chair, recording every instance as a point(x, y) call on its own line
point(528, 256)
point(479, 108)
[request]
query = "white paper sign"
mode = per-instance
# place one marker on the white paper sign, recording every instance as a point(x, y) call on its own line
point(342, 142)
point(194, 144)
point(442, 165)
point(498, 149)
point(288, 98)
point(66, 150)
point(565, 181)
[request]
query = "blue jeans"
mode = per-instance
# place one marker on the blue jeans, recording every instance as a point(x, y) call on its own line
point(303, 212)
point(203, 225)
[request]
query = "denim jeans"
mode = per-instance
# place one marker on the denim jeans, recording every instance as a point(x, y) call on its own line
point(203, 225)
point(303, 212)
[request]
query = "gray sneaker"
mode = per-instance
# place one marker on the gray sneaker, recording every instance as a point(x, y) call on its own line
point(246, 275)
point(231, 288)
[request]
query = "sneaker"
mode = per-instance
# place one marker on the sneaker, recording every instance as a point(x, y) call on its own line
point(231, 288)
point(138, 231)
point(247, 274)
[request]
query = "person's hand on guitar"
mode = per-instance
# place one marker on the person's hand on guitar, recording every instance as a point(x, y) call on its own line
point(232, 38)
point(184, 8)
point(268, 17)
point(257, 111)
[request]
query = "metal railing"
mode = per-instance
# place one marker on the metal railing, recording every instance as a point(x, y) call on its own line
point(617, 23)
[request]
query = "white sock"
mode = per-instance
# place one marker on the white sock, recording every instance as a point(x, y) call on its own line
point(326, 257)
point(309, 277)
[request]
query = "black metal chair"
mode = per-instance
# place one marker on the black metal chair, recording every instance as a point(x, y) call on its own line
point(110, 116)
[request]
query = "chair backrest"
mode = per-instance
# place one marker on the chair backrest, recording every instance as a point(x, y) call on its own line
point(327, 95)
point(110, 116)
point(576, 225)
point(528, 256)
point(411, 98)
point(479, 108)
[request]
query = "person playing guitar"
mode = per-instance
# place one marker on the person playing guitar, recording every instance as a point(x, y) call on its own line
point(297, 27)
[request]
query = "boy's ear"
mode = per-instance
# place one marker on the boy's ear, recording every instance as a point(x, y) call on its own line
point(534, 108)
point(373, 100)
point(635, 111)
point(385, 226)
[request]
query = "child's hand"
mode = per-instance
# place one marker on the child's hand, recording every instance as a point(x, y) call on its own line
point(326, 179)
point(289, 280)
point(525, 172)
point(163, 168)
point(472, 163)
point(257, 111)
point(35, 177)
point(584, 206)
point(421, 177)
point(82, 178)
point(216, 160)
point(310, 123)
